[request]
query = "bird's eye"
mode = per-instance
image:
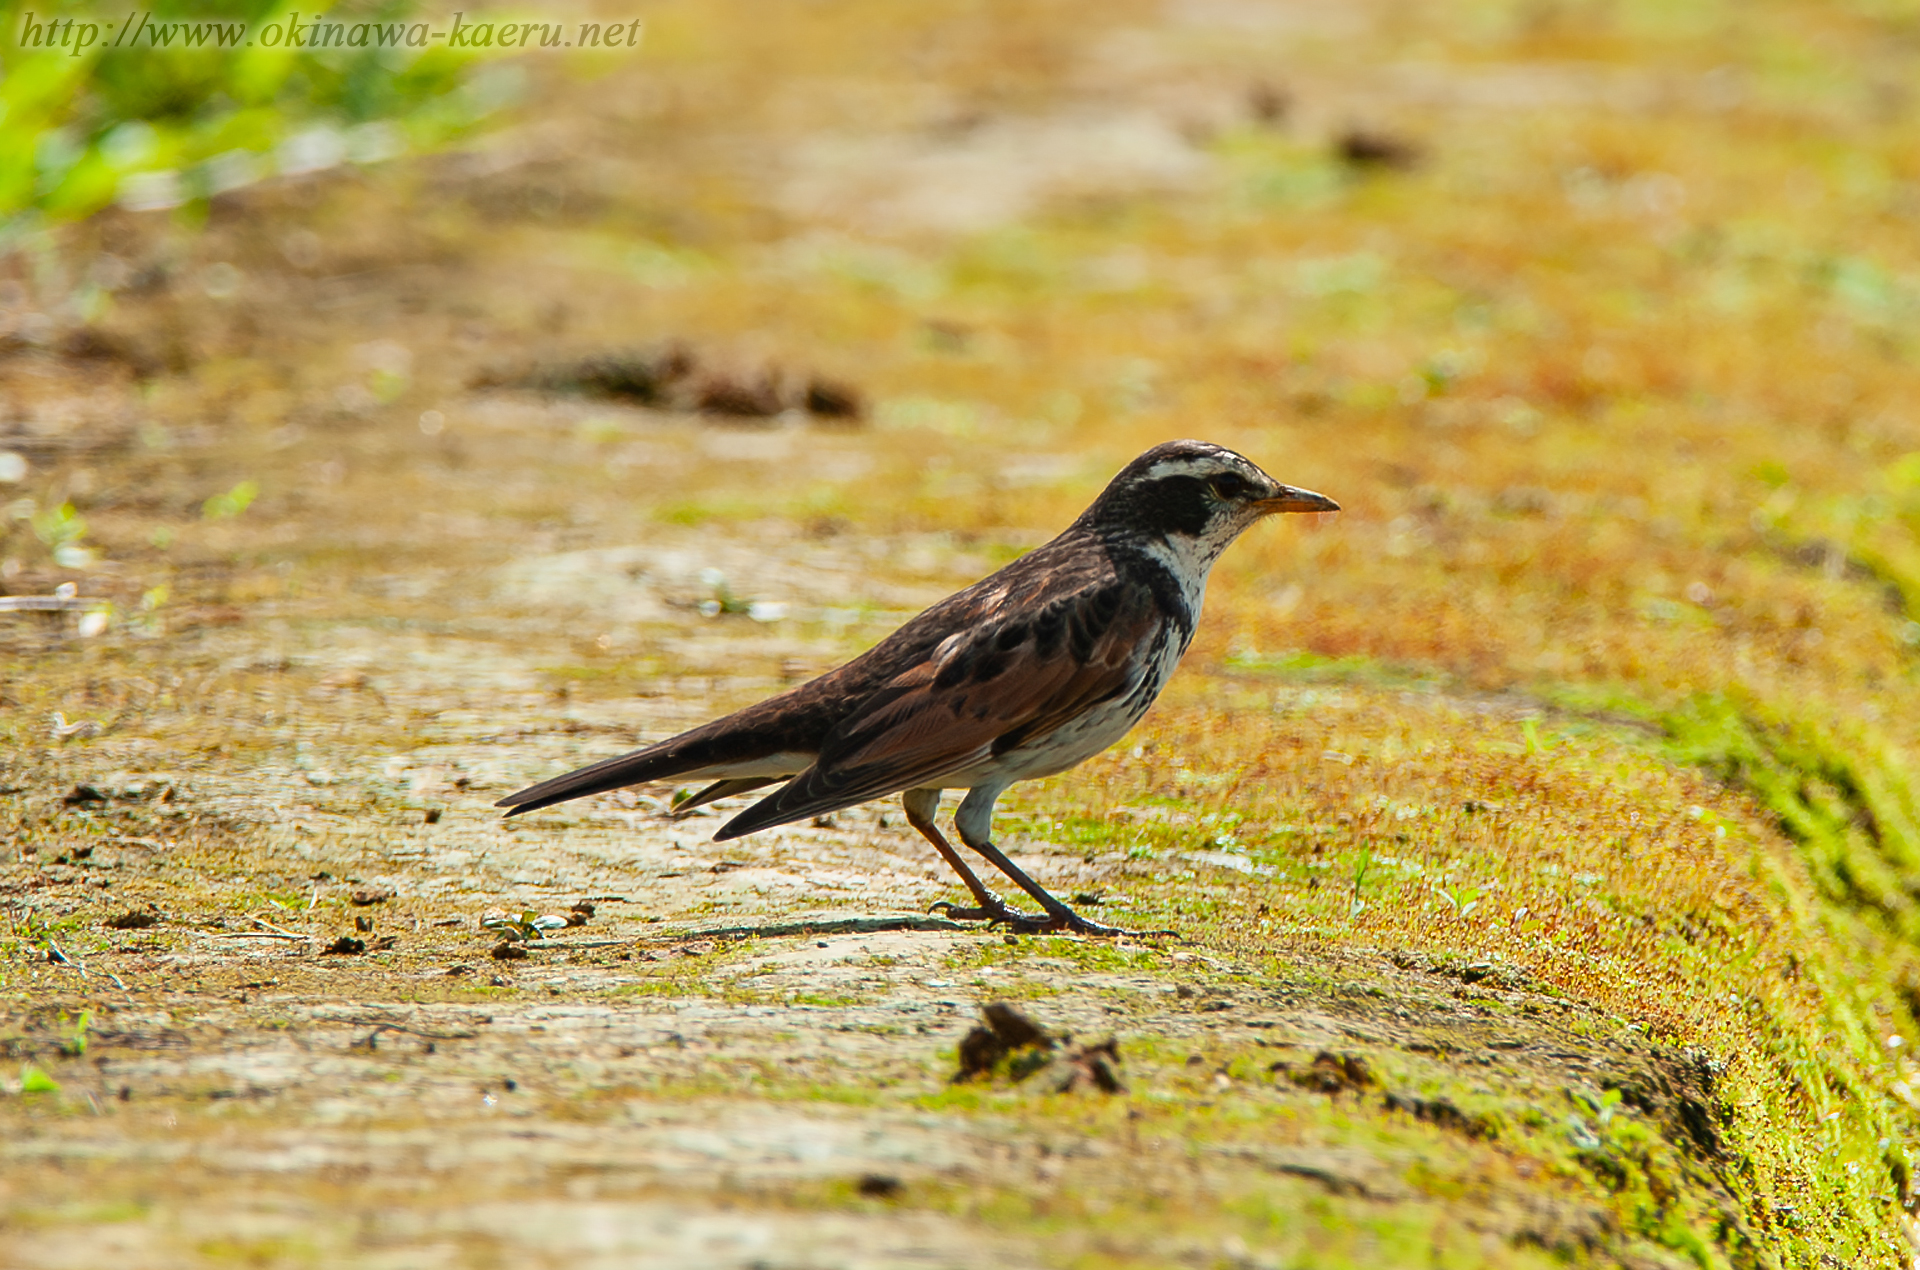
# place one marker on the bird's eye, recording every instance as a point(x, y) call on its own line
point(1227, 485)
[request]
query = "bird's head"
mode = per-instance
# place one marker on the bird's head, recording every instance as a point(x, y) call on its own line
point(1197, 491)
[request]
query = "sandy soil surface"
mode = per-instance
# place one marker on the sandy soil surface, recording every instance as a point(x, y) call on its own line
point(250, 853)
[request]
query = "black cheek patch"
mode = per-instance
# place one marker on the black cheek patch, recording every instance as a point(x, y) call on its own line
point(1179, 504)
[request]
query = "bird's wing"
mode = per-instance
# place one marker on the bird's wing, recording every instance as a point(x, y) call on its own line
point(981, 692)
point(782, 735)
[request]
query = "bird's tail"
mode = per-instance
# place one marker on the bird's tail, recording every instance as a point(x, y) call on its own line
point(656, 762)
point(745, 750)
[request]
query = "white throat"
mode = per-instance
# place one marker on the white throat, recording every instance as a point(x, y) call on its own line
point(1189, 560)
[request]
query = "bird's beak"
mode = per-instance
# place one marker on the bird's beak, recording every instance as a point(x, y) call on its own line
point(1290, 499)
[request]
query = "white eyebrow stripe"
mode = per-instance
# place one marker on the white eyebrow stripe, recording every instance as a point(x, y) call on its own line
point(1185, 466)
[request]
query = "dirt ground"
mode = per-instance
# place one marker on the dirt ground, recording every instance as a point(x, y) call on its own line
point(364, 557)
point(744, 1057)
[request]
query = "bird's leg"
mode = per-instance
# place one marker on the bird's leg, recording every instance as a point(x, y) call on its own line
point(1059, 916)
point(921, 804)
point(973, 819)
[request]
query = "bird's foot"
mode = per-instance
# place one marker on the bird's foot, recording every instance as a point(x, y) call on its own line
point(1073, 923)
point(996, 912)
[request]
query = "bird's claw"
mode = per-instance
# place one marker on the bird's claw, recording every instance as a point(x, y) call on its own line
point(996, 914)
point(1065, 921)
point(1074, 924)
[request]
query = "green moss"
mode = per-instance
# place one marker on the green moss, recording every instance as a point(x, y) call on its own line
point(1844, 797)
point(1299, 666)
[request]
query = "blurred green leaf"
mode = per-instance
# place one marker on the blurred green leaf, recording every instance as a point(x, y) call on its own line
point(182, 107)
point(230, 504)
point(59, 527)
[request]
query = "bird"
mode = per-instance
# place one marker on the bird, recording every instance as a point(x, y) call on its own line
point(1025, 674)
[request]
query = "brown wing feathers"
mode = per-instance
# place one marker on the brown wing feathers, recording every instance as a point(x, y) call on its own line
point(974, 701)
point(867, 713)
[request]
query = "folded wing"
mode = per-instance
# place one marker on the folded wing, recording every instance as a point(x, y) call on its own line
point(982, 692)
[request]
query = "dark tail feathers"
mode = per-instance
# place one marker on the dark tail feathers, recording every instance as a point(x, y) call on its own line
point(656, 762)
